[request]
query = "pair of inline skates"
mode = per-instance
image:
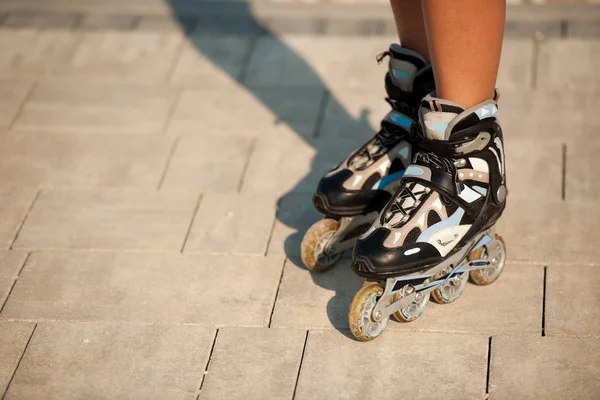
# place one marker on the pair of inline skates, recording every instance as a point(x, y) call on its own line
point(418, 202)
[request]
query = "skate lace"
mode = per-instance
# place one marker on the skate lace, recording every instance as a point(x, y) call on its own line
point(383, 141)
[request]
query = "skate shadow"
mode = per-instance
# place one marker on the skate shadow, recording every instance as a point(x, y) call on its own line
point(202, 22)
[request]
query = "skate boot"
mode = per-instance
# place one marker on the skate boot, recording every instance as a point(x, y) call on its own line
point(438, 229)
point(352, 194)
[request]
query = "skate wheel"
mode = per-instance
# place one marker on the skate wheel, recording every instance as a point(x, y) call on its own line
point(360, 314)
point(485, 276)
point(312, 249)
point(413, 310)
point(451, 290)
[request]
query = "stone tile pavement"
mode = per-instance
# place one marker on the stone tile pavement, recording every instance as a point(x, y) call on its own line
point(155, 184)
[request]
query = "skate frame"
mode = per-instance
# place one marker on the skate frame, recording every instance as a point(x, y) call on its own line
point(386, 307)
point(336, 244)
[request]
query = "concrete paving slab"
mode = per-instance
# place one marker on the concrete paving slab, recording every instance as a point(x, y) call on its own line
point(208, 61)
point(72, 106)
point(299, 60)
point(582, 182)
point(313, 300)
point(147, 288)
point(63, 219)
point(336, 367)
point(512, 304)
point(550, 230)
point(145, 57)
point(12, 95)
point(295, 215)
point(570, 64)
point(236, 110)
point(516, 64)
point(107, 22)
point(10, 265)
point(40, 20)
point(32, 52)
point(208, 161)
point(533, 169)
point(572, 300)
point(584, 29)
point(544, 368)
point(82, 360)
point(83, 160)
point(14, 206)
point(13, 340)
point(232, 223)
point(251, 363)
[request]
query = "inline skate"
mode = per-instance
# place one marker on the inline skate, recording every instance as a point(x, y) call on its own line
point(438, 228)
point(352, 194)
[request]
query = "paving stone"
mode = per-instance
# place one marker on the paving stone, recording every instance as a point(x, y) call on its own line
point(512, 304)
point(582, 181)
point(208, 162)
point(569, 65)
point(159, 23)
point(145, 57)
point(532, 170)
point(544, 368)
point(337, 367)
point(572, 300)
point(13, 340)
point(584, 29)
point(108, 220)
point(14, 206)
point(12, 95)
point(40, 20)
point(232, 223)
point(315, 300)
point(68, 106)
point(516, 64)
point(83, 160)
point(107, 21)
point(238, 110)
point(250, 363)
point(74, 360)
point(358, 27)
point(32, 52)
point(207, 61)
point(10, 265)
point(148, 288)
point(297, 60)
point(353, 115)
point(542, 29)
point(295, 214)
point(550, 230)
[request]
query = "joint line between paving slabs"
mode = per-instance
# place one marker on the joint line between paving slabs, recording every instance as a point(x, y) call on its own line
point(247, 59)
point(544, 302)
point(212, 349)
point(172, 151)
point(37, 195)
point(14, 282)
point(17, 115)
point(321, 115)
point(246, 164)
point(272, 230)
point(300, 366)
point(277, 292)
point(564, 172)
point(19, 362)
point(534, 62)
point(189, 230)
point(489, 364)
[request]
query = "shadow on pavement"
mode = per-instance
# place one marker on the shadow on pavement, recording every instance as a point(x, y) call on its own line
point(207, 23)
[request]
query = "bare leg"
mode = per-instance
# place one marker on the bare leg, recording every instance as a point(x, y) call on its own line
point(465, 41)
point(408, 15)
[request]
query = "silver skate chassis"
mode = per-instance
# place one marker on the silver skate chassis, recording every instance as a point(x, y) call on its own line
point(406, 297)
point(327, 240)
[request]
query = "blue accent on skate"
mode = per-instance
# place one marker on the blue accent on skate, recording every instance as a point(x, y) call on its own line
point(438, 127)
point(487, 111)
point(400, 74)
point(482, 242)
point(414, 171)
point(386, 180)
point(480, 189)
point(454, 220)
point(400, 119)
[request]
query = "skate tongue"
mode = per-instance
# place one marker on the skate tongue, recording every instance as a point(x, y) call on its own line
point(404, 64)
point(436, 115)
